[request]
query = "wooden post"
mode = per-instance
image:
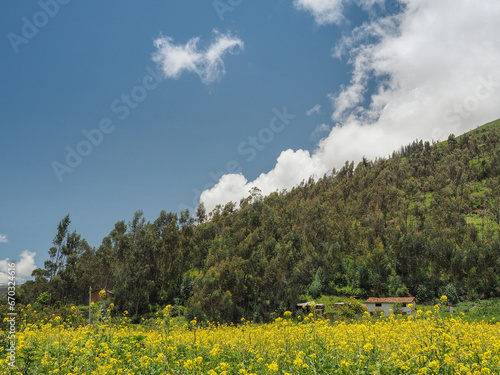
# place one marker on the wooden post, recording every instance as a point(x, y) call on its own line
point(90, 302)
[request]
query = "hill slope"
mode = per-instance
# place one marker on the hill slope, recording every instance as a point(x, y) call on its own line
point(422, 221)
point(425, 219)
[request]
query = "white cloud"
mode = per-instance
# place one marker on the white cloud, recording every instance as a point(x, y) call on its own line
point(208, 64)
point(319, 132)
point(23, 268)
point(435, 72)
point(324, 11)
point(3, 238)
point(430, 65)
point(291, 168)
point(332, 11)
point(313, 110)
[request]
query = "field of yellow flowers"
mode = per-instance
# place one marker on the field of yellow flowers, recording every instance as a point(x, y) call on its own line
point(422, 343)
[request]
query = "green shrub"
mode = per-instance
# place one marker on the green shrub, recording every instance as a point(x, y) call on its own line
point(351, 308)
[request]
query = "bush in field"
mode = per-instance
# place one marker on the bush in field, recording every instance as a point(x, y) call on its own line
point(451, 292)
point(351, 308)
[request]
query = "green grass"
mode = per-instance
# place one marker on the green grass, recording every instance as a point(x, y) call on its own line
point(479, 311)
point(482, 129)
point(487, 127)
point(485, 310)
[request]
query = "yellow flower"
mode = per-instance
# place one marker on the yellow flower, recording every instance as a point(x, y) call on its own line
point(434, 365)
point(298, 362)
point(166, 310)
point(272, 367)
point(188, 365)
point(414, 346)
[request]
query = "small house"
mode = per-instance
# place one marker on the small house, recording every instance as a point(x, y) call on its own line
point(374, 304)
point(307, 306)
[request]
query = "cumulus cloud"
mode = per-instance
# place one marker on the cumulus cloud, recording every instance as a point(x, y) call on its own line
point(423, 73)
point(434, 69)
point(291, 168)
point(24, 267)
point(3, 238)
point(174, 59)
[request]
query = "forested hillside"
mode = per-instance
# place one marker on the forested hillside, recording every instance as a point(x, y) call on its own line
point(423, 220)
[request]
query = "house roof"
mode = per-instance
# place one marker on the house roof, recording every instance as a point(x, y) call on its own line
point(390, 300)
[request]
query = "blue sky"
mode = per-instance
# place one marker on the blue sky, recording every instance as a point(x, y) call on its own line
point(242, 94)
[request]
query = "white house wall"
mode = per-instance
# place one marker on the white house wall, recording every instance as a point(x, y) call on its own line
point(385, 308)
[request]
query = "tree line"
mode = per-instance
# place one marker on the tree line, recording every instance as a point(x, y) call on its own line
point(420, 222)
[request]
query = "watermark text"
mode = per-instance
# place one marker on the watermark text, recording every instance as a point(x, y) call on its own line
point(32, 25)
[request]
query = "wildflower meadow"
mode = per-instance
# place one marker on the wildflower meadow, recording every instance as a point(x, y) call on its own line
point(420, 343)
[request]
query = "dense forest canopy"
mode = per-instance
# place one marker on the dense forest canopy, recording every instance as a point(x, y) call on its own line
point(421, 222)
